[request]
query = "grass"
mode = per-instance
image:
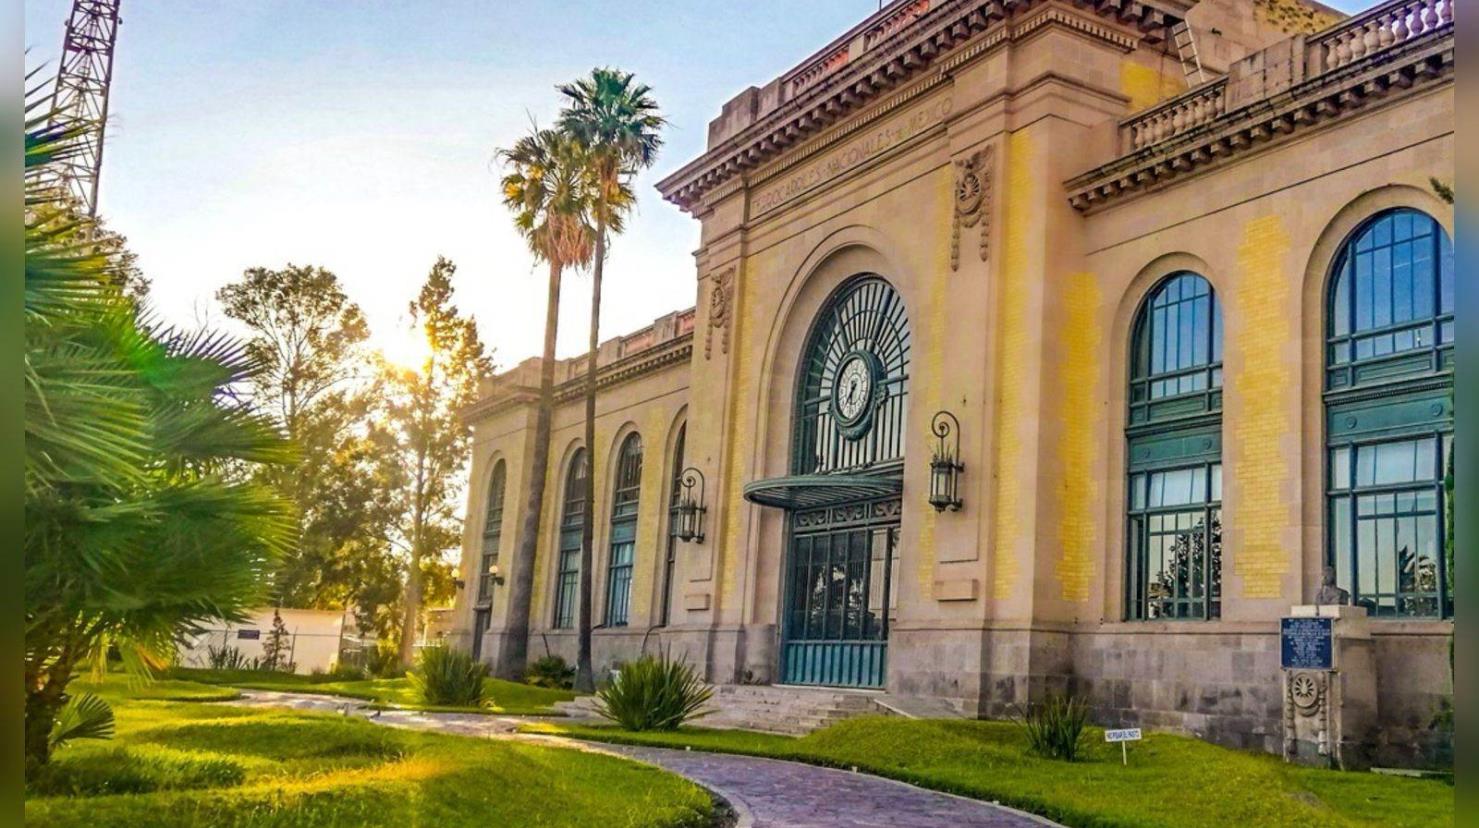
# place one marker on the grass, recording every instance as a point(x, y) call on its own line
point(1171, 781)
point(188, 763)
point(508, 697)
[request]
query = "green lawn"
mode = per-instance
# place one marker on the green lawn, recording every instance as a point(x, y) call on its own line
point(188, 764)
point(1171, 781)
point(509, 697)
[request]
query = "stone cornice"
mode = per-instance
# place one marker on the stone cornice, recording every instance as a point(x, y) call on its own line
point(1201, 133)
point(504, 397)
point(831, 88)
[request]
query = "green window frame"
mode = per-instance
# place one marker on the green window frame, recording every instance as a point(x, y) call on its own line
point(1173, 569)
point(625, 501)
point(670, 557)
point(1389, 415)
point(492, 532)
point(572, 520)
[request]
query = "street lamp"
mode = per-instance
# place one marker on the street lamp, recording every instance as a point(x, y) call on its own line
point(945, 465)
point(690, 510)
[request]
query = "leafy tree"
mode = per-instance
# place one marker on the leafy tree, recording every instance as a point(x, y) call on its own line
point(310, 337)
point(423, 442)
point(275, 653)
point(550, 189)
point(136, 528)
point(617, 122)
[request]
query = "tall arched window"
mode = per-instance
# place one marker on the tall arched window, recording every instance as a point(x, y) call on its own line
point(1174, 432)
point(492, 533)
point(572, 518)
point(624, 502)
point(1389, 414)
point(675, 496)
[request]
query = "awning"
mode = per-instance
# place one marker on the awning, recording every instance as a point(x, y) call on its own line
point(808, 491)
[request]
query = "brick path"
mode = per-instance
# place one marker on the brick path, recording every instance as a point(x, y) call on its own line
point(765, 793)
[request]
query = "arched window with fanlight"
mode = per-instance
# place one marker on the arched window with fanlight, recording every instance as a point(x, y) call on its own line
point(1174, 436)
point(492, 533)
point(625, 498)
point(1389, 415)
point(572, 519)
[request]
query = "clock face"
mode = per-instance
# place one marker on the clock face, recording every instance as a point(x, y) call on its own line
point(852, 396)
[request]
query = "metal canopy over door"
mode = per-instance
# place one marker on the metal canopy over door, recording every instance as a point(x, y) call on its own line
point(842, 493)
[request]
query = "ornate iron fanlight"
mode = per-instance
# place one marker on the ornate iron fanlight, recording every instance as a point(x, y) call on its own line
point(945, 465)
point(690, 511)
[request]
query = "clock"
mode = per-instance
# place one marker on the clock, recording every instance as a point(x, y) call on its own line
point(855, 392)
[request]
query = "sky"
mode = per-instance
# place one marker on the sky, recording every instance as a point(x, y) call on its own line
point(361, 137)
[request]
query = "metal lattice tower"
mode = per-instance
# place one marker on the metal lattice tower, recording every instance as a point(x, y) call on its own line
point(82, 83)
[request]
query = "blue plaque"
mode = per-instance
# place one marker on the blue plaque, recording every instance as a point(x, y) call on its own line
point(1304, 643)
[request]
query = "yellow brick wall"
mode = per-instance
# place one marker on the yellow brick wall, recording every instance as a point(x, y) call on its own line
point(1146, 86)
point(1259, 402)
point(1016, 336)
point(1079, 416)
point(927, 375)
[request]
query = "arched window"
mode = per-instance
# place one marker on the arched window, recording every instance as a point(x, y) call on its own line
point(492, 533)
point(1389, 414)
point(854, 384)
point(1174, 432)
point(624, 502)
point(675, 495)
point(572, 519)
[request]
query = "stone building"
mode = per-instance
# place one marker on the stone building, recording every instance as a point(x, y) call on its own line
point(1177, 275)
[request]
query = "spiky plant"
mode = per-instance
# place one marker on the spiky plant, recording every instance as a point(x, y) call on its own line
point(138, 522)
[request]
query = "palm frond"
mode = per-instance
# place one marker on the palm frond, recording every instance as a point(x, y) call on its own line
point(85, 716)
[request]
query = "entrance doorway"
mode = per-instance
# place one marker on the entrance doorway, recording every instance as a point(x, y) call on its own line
point(840, 571)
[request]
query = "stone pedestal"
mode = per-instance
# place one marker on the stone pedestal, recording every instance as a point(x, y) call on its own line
point(1329, 694)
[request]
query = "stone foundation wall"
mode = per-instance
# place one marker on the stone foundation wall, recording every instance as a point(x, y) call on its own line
point(1225, 688)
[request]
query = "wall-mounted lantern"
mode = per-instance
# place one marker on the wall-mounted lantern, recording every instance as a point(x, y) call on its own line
point(495, 574)
point(690, 509)
point(945, 465)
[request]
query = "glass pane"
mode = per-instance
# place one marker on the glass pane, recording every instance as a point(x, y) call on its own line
point(1340, 468)
point(1340, 540)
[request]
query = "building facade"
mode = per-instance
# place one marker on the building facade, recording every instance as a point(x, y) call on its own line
point(1166, 290)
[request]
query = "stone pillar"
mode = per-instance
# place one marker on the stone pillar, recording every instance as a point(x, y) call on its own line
point(1328, 662)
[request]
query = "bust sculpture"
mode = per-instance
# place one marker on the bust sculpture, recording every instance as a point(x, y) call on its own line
point(1330, 593)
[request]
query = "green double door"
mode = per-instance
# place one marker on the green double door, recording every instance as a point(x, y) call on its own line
point(840, 581)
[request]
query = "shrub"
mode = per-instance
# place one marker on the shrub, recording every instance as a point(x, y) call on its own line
point(550, 671)
point(445, 676)
point(227, 657)
point(384, 661)
point(1055, 727)
point(654, 693)
point(344, 671)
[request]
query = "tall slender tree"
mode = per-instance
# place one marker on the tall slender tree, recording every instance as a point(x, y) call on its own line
point(309, 336)
point(618, 123)
point(424, 439)
point(550, 189)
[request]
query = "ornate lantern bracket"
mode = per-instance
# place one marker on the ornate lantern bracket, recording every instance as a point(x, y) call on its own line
point(690, 509)
point(945, 465)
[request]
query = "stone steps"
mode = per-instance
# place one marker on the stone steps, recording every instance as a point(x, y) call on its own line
point(791, 710)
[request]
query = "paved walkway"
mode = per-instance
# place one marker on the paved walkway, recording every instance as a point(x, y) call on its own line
point(765, 793)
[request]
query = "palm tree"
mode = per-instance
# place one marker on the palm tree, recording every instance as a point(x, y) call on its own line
point(551, 191)
point(139, 522)
point(617, 122)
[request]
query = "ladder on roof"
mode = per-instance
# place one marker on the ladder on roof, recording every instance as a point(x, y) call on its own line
point(1186, 49)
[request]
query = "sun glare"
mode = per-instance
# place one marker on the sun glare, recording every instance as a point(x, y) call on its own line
point(405, 347)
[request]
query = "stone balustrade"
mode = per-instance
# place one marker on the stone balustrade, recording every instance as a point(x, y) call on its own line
point(1380, 28)
point(1384, 27)
point(1199, 106)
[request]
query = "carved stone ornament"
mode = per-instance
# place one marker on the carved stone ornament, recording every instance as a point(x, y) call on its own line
point(972, 201)
point(720, 309)
point(1307, 692)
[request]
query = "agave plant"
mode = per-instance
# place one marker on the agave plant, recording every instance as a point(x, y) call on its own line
point(654, 693)
point(139, 521)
